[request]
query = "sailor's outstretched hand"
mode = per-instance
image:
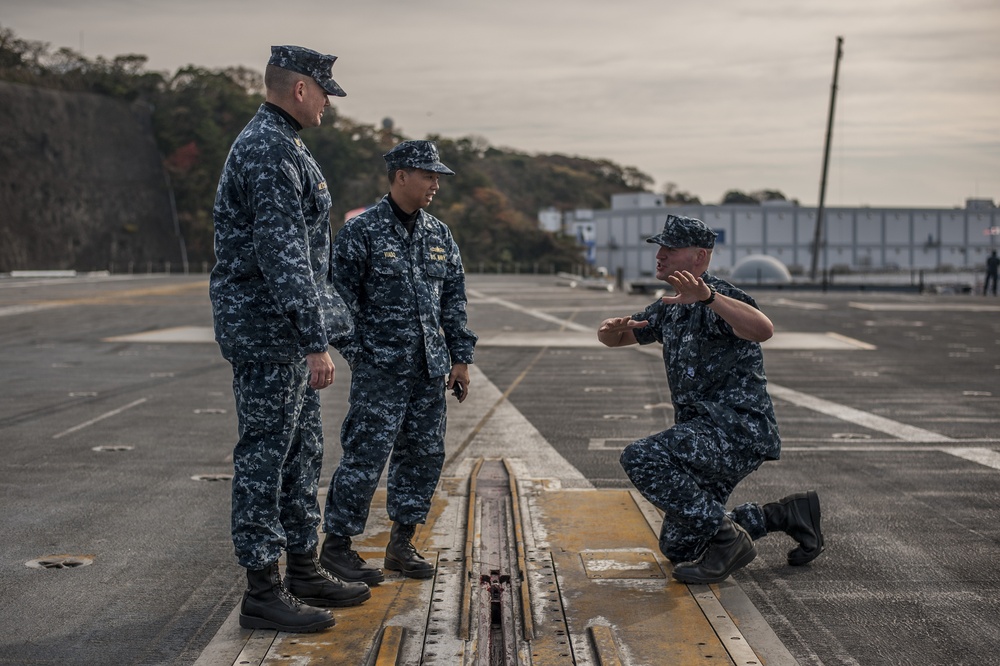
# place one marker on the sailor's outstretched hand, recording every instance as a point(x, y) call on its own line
point(620, 324)
point(690, 289)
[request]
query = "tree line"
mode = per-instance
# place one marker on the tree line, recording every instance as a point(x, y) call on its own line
point(491, 206)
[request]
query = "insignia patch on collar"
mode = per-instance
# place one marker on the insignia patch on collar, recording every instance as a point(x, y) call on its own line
point(321, 186)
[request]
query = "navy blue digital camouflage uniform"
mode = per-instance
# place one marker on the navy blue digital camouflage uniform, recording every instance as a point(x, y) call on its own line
point(406, 294)
point(273, 303)
point(724, 424)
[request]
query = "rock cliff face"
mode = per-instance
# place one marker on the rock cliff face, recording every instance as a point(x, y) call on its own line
point(82, 184)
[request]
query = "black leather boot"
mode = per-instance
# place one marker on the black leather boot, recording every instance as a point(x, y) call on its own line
point(797, 516)
point(341, 560)
point(400, 555)
point(730, 549)
point(267, 605)
point(306, 578)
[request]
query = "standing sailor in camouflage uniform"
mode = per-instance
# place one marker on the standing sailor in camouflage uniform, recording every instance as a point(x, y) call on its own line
point(400, 273)
point(275, 312)
point(724, 420)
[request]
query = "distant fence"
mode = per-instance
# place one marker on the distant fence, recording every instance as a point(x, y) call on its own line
point(943, 281)
point(509, 267)
point(483, 267)
point(150, 267)
point(168, 267)
point(525, 268)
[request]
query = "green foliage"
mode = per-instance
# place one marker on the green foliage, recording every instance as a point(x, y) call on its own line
point(30, 62)
point(491, 205)
point(738, 197)
point(768, 195)
point(197, 115)
point(674, 196)
point(757, 197)
point(350, 155)
point(21, 60)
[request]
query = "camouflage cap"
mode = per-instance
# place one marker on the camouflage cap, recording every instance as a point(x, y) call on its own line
point(308, 62)
point(416, 155)
point(681, 231)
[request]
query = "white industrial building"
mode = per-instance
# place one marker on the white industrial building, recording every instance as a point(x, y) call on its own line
point(854, 239)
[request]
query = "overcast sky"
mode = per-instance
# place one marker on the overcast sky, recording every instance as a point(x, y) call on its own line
point(712, 96)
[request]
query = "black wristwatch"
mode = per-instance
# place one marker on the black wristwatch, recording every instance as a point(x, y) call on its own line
point(711, 297)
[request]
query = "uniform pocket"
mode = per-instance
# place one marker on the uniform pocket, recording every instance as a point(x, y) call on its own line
point(322, 201)
point(437, 269)
point(436, 258)
point(388, 264)
point(267, 395)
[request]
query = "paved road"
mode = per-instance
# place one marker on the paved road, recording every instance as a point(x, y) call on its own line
point(889, 405)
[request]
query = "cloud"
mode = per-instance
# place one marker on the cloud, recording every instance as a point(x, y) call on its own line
point(711, 96)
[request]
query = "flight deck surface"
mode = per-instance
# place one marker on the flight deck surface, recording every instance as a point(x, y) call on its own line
point(117, 426)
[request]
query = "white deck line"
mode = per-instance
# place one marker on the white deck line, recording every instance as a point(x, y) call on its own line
point(94, 420)
point(871, 421)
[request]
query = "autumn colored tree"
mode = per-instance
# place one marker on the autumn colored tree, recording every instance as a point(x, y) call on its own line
point(491, 204)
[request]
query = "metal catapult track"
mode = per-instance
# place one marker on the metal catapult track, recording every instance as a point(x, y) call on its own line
point(528, 573)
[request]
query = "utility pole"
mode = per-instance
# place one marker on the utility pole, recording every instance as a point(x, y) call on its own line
point(818, 236)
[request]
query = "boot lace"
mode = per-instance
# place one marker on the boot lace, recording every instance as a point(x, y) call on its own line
point(283, 594)
point(356, 560)
point(408, 551)
point(290, 599)
point(404, 541)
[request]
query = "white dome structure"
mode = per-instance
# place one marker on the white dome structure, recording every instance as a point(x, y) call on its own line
point(760, 268)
